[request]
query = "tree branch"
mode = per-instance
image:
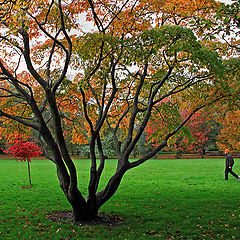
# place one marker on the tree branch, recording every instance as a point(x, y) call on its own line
point(20, 120)
point(164, 142)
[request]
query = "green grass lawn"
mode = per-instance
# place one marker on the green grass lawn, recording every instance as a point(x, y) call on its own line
point(162, 199)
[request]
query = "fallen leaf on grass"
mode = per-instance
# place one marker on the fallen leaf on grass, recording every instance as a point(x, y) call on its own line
point(151, 232)
point(26, 187)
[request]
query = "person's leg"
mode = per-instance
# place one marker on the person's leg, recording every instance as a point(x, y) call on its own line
point(226, 173)
point(233, 173)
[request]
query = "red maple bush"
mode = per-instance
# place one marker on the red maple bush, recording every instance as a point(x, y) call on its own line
point(24, 150)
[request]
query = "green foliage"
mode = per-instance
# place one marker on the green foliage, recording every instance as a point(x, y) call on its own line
point(174, 40)
point(142, 147)
point(209, 59)
point(214, 128)
point(109, 145)
point(230, 14)
point(232, 66)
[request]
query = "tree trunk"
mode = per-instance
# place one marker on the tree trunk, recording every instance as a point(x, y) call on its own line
point(82, 210)
point(87, 209)
point(29, 175)
point(134, 152)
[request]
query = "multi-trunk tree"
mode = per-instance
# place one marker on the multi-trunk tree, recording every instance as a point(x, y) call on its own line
point(60, 79)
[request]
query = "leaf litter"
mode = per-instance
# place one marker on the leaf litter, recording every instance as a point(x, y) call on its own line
point(103, 219)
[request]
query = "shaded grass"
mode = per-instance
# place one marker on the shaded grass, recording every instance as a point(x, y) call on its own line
point(162, 199)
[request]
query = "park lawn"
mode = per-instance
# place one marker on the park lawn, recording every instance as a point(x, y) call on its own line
point(162, 199)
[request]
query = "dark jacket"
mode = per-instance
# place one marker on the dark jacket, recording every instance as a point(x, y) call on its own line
point(229, 160)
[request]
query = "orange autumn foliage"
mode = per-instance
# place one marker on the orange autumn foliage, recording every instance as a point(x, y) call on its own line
point(230, 132)
point(122, 19)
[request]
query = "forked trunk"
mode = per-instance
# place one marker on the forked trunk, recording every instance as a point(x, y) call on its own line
point(83, 212)
point(87, 209)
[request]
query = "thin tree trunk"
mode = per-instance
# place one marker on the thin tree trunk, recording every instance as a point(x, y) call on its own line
point(29, 175)
point(134, 152)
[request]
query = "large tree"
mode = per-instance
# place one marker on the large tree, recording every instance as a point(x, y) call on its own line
point(137, 54)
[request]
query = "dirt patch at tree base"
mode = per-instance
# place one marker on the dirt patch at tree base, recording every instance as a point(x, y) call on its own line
point(102, 219)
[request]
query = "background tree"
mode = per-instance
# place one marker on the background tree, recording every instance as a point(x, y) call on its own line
point(137, 54)
point(195, 138)
point(226, 111)
point(229, 135)
point(214, 129)
point(190, 138)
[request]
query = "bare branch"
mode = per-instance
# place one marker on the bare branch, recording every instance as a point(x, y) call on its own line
point(68, 52)
point(96, 18)
point(19, 119)
point(28, 60)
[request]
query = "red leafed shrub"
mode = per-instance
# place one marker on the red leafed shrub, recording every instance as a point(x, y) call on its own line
point(24, 151)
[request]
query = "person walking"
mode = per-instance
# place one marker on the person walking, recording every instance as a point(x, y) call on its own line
point(229, 165)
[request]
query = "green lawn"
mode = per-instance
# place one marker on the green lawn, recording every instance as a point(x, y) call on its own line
point(163, 199)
